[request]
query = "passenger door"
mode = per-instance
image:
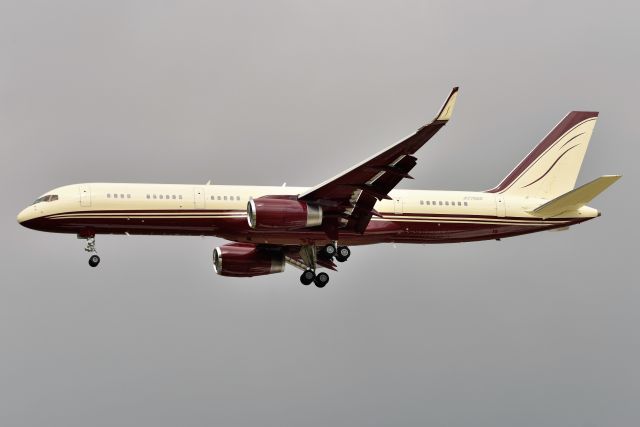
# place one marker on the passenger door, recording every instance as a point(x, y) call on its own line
point(501, 209)
point(198, 197)
point(397, 206)
point(85, 195)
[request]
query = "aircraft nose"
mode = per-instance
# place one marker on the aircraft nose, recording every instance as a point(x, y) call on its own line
point(24, 215)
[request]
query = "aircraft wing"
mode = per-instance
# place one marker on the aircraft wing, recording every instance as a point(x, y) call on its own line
point(348, 199)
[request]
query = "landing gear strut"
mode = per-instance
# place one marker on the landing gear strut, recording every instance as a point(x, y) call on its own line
point(94, 259)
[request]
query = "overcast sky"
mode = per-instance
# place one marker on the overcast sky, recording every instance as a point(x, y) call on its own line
point(537, 330)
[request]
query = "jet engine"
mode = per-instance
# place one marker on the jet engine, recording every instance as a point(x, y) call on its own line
point(282, 213)
point(246, 260)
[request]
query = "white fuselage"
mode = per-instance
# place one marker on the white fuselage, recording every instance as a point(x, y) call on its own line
point(221, 210)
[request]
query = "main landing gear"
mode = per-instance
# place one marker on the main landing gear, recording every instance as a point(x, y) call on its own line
point(310, 255)
point(320, 279)
point(94, 259)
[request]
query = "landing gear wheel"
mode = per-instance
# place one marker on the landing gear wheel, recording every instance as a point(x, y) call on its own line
point(343, 253)
point(329, 251)
point(94, 260)
point(307, 277)
point(321, 279)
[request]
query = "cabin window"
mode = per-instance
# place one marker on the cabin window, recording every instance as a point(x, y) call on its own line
point(428, 202)
point(173, 197)
point(465, 203)
point(422, 202)
point(180, 197)
point(108, 195)
point(225, 197)
point(122, 196)
point(440, 202)
point(446, 203)
point(212, 198)
point(148, 196)
point(237, 197)
point(160, 196)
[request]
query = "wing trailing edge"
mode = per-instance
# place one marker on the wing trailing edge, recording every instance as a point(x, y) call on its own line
point(349, 198)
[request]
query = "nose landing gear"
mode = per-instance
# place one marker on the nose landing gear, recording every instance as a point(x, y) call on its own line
point(94, 259)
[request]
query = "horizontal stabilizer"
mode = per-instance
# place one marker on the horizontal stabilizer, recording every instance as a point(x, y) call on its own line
point(575, 198)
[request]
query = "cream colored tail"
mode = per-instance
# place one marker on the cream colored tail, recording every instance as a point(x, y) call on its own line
point(552, 168)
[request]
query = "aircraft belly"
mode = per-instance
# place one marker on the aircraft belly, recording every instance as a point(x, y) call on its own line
point(232, 225)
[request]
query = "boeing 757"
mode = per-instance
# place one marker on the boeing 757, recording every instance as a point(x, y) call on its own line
point(310, 228)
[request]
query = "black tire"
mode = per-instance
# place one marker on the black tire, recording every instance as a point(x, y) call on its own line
point(327, 252)
point(321, 279)
point(343, 253)
point(94, 260)
point(307, 277)
point(330, 250)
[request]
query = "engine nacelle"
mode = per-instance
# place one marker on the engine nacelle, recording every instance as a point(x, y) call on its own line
point(275, 213)
point(246, 260)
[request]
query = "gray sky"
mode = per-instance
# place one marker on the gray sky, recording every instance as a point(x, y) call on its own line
point(534, 330)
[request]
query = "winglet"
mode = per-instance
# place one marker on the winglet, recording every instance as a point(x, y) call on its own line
point(447, 108)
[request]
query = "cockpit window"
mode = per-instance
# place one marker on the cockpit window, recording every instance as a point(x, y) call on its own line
point(47, 198)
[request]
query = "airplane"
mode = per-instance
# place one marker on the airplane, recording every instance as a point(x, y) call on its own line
point(309, 228)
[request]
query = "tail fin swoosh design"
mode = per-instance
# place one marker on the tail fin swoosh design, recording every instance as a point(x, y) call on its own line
point(552, 167)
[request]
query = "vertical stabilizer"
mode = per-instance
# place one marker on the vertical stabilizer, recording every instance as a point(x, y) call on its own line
point(552, 168)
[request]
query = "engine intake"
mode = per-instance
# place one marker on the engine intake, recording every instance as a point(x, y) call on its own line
point(246, 260)
point(274, 213)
